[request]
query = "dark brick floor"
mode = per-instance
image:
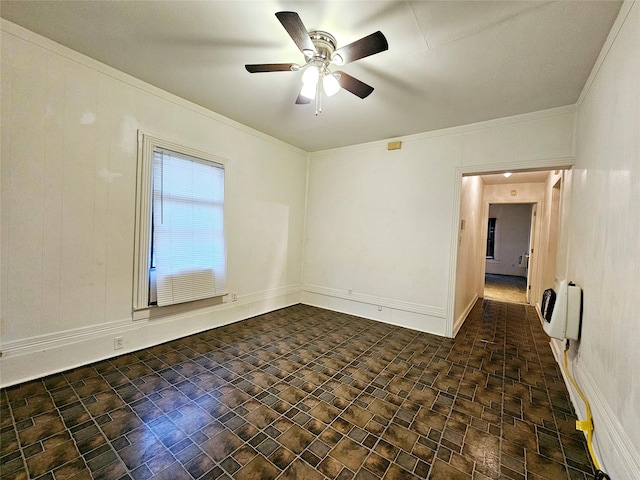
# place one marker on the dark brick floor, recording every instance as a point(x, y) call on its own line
point(305, 393)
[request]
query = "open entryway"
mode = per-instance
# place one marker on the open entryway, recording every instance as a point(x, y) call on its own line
point(508, 251)
point(511, 258)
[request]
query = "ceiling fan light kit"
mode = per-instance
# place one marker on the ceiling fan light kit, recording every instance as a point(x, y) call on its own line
point(320, 51)
point(330, 84)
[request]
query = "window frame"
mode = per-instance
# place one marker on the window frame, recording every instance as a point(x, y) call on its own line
point(494, 239)
point(144, 200)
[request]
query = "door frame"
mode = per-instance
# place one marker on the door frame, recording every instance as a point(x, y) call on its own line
point(530, 250)
point(560, 163)
point(532, 268)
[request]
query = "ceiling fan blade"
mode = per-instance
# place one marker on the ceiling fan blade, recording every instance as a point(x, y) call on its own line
point(302, 100)
point(270, 67)
point(297, 31)
point(369, 45)
point(354, 85)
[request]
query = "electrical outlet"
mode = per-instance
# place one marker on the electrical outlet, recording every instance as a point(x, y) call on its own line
point(118, 343)
point(234, 296)
point(350, 292)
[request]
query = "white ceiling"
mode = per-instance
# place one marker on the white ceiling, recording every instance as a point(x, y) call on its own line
point(449, 63)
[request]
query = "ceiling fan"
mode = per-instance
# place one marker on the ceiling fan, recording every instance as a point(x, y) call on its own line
point(320, 51)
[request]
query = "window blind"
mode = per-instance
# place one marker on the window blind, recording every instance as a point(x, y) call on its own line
point(188, 248)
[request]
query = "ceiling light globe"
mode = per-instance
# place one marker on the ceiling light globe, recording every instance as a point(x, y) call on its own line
point(330, 85)
point(310, 75)
point(308, 91)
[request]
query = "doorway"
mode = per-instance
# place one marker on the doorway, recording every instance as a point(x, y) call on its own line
point(508, 249)
point(541, 188)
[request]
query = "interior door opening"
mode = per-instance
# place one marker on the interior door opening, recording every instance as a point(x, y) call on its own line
point(509, 242)
point(538, 255)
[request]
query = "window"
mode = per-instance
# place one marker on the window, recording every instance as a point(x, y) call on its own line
point(491, 238)
point(180, 225)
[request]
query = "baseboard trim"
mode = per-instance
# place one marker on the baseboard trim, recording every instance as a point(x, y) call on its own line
point(403, 314)
point(616, 454)
point(457, 325)
point(35, 358)
point(377, 301)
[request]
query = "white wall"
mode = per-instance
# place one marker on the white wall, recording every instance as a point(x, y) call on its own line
point(604, 245)
point(513, 224)
point(69, 129)
point(471, 251)
point(382, 226)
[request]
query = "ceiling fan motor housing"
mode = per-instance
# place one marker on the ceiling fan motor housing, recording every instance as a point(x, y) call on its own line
point(325, 44)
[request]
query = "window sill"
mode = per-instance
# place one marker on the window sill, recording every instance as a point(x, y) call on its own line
point(153, 311)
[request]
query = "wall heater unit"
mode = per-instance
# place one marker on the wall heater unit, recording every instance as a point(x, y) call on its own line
point(562, 310)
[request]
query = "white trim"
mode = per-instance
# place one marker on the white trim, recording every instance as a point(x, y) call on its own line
point(604, 52)
point(58, 49)
point(147, 144)
point(55, 340)
point(462, 317)
point(402, 318)
point(608, 434)
point(471, 127)
point(268, 294)
point(214, 304)
point(40, 356)
point(142, 233)
point(377, 301)
point(453, 253)
point(624, 458)
point(557, 163)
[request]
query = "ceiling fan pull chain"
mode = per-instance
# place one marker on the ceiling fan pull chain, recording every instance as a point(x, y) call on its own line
point(319, 96)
